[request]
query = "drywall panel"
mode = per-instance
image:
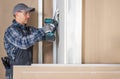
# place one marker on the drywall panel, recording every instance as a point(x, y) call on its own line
point(6, 17)
point(68, 43)
point(101, 35)
point(60, 71)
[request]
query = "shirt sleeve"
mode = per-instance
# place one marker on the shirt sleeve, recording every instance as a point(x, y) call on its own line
point(21, 41)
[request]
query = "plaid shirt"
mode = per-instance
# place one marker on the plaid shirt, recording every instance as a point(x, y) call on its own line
point(19, 39)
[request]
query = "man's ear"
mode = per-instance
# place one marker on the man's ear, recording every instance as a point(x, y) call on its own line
point(16, 13)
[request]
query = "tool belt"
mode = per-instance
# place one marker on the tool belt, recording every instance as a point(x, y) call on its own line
point(6, 62)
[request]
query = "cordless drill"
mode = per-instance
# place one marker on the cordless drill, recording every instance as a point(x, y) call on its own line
point(52, 24)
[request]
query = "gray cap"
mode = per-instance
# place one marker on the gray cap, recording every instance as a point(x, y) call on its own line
point(22, 6)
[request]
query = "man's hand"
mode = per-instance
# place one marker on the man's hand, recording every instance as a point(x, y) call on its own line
point(48, 28)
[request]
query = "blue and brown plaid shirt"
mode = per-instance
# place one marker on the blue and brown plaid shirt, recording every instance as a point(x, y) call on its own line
point(19, 39)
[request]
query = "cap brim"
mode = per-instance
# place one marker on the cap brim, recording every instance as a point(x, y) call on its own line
point(30, 9)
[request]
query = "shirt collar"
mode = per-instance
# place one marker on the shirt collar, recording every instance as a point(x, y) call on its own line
point(18, 24)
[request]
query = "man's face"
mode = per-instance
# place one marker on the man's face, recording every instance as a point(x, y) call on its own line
point(23, 16)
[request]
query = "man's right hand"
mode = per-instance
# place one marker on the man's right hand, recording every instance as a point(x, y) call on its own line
point(48, 28)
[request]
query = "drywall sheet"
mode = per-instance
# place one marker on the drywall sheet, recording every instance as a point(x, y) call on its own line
point(101, 34)
point(67, 71)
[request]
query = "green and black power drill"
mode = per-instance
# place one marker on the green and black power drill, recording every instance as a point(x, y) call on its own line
point(52, 25)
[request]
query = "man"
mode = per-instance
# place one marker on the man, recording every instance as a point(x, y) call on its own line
point(20, 38)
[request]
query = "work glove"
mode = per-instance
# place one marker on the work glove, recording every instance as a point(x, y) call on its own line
point(49, 34)
point(6, 62)
point(48, 28)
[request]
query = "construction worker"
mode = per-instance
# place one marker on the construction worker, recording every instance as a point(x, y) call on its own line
point(20, 38)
